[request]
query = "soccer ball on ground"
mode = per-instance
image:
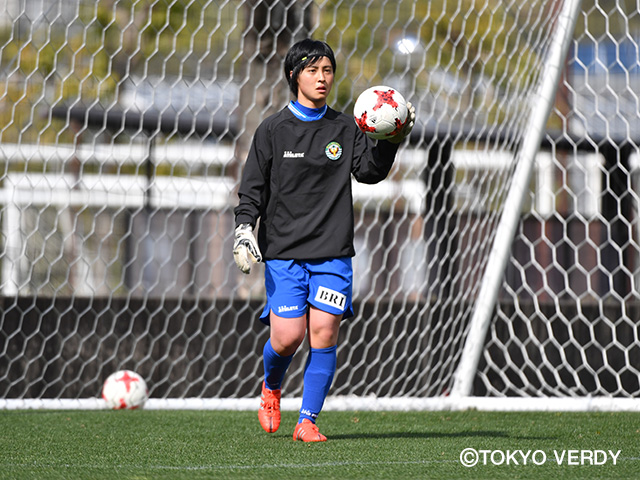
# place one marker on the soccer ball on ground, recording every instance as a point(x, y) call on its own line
point(125, 389)
point(380, 112)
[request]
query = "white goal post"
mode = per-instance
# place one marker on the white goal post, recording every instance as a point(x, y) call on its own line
point(541, 102)
point(496, 268)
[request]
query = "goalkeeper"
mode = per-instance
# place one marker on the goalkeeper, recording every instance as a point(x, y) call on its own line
point(297, 181)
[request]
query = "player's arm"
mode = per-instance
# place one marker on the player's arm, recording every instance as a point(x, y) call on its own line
point(253, 185)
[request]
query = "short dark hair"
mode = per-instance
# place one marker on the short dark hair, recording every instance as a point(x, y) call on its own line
point(300, 55)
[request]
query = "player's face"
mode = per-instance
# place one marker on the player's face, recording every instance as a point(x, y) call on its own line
point(315, 82)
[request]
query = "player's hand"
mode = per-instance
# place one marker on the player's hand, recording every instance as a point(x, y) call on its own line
point(408, 125)
point(245, 248)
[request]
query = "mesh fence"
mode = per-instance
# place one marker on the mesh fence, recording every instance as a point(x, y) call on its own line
point(124, 126)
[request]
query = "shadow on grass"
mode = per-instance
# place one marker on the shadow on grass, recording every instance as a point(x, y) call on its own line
point(434, 435)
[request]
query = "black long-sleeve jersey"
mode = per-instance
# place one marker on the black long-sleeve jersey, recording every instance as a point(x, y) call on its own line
point(297, 180)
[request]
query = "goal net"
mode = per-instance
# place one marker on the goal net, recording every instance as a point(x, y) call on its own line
point(495, 266)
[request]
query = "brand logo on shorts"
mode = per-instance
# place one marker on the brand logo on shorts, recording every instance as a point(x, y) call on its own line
point(285, 308)
point(331, 297)
point(333, 151)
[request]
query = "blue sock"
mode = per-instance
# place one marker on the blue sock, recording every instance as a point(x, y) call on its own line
point(275, 366)
point(318, 376)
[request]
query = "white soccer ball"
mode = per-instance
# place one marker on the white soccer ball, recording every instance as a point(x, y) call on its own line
point(380, 112)
point(125, 389)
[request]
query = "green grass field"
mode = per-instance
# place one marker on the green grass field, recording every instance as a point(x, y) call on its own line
point(215, 444)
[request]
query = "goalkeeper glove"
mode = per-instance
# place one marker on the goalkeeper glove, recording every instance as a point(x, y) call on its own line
point(245, 248)
point(408, 125)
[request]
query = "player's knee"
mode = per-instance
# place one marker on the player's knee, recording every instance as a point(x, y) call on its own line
point(323, 337)
point(323, 329)
point(286, 345)
point(287, 333)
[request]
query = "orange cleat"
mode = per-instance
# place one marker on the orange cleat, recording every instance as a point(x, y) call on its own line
point(307, 431)
point(269, 413)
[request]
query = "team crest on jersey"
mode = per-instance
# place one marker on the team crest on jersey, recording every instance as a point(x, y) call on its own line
point(333, 151)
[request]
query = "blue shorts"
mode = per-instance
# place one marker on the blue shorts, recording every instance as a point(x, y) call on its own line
point(292, 284)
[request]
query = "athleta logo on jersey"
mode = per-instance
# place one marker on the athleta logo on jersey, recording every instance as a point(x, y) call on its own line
point(290, 154)
point(331, 297)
